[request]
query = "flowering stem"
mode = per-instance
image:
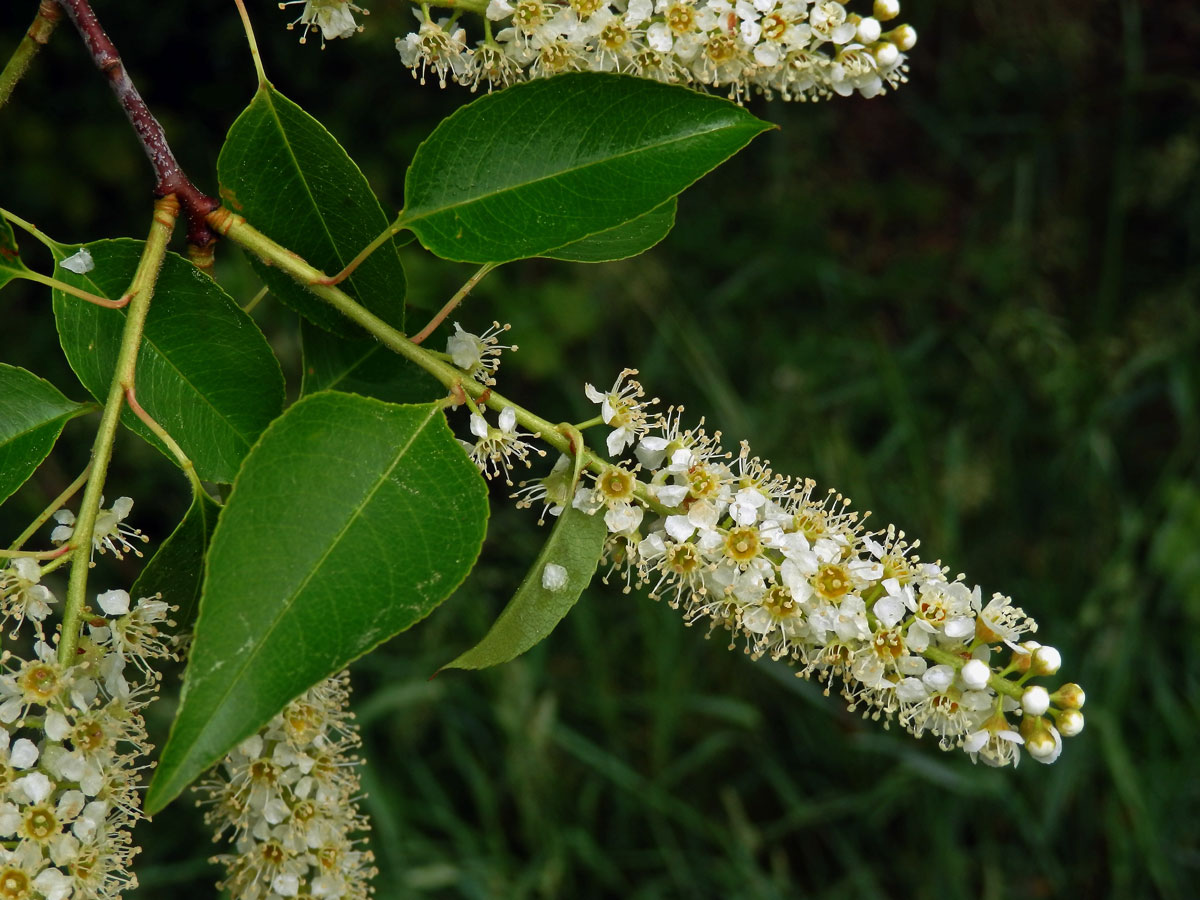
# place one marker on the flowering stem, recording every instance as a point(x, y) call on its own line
point(166, 210)
point(256, 299)
point(170, 178)
point(48, 16)
point(479, 7)
point(74, 291)
point(34, 554)
point(998, 683)
point(452, 303)
point(230, 225)
point(55, 505)
point(388, 233)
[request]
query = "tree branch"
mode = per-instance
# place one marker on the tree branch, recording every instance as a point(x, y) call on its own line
point(170, 178)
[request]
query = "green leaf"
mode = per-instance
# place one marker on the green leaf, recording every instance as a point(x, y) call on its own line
point(350, 520)
point(362, 367)
point(624, 241)
point(534, 167)
point(177, 570)
point(576, 544)
point(205, 372)
point(32, 415)
point(10, 258)
point(292, 181)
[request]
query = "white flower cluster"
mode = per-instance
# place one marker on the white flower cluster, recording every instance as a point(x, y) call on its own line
point(71, 744)
point(796, 49)
point(289, 794)
point(796, 576)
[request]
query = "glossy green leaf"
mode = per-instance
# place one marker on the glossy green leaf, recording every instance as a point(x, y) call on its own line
point(540, 603)
point(624, 241)
point(177, 569)
point(32, 415)
point(10, 258)
point(205, 372)
point(362, 367)
point(350, 520)
point(292, 181)
point(534, 167)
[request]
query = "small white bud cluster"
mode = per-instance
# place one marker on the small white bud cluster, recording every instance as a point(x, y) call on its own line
point(796, 576)
point(797, 49)
point(290, 796)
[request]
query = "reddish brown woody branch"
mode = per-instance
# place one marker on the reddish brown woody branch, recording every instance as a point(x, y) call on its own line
point(170, 178)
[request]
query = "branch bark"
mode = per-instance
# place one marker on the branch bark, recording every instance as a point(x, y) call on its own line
point(169, 177)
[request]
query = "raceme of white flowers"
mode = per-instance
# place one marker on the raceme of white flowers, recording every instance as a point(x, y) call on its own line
point(289, 795)
point(796, 49)
point(795, 575)
point(72, 742)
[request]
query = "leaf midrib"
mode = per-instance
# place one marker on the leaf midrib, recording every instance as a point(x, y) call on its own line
point(409, 219)
point(247, 659)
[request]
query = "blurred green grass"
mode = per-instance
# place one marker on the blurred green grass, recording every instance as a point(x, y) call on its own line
point(970, 305)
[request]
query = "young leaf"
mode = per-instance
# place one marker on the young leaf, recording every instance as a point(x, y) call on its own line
point(630, 239)
point(543, 598)
point(10, 259)
point(205, 372)
point(177, 569)
point(350, 520)
point(361, 367)
point(526, 170)
point(32, 415)
point(292, 181)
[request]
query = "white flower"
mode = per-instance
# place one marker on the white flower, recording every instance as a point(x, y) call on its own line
point(478, 354)
point(109, 533)
point(495, 448)
point(623, 408)
point(22, 596)
point(334, 18)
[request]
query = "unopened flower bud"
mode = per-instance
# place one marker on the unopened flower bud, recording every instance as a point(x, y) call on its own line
point(1069, 696)
point(1035, 701)
point(1046, 661)
point(1023, 655)
point(975, 674)
point(1042, 740)
point(869, 30)
point(886, 9)
point(904, 37)
point(1070, 722)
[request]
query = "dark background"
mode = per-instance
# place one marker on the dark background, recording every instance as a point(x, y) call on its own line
point(970, 304)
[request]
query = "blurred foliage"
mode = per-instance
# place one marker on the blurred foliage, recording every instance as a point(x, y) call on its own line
point(971, 304)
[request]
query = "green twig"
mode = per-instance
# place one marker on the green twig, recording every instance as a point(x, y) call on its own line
point(166, 211)
point(232, 226)
point(48, 16)
point(55, 505)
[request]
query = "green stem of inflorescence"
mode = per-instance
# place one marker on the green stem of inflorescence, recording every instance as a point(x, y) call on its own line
point(240, 232)
point(1000, 684)
point(142, 290)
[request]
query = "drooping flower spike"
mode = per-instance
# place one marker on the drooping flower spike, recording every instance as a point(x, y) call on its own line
point(795, 575)
point(794, 49)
